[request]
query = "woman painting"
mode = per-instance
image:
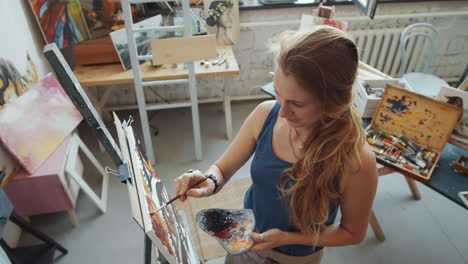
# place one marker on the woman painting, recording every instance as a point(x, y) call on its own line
point(310, 155)
point(220, 15)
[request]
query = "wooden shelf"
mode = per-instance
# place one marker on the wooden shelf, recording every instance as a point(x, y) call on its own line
point(109, 74)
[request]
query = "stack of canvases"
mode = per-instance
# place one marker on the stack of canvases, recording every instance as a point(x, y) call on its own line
point(35, 128)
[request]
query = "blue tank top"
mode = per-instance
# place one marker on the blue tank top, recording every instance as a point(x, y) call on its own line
point(263, 196)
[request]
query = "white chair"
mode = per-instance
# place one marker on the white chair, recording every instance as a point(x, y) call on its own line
point(422, 82)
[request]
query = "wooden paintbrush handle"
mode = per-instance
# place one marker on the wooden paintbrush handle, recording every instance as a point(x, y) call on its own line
point(194, 185)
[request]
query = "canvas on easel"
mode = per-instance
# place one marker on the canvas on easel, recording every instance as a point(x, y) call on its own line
point(165, 227)
point(131, 157)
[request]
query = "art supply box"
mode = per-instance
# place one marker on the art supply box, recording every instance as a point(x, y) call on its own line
point(369, 92)
point(409, 131)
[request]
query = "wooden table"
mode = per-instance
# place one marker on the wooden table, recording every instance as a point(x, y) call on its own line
point(111, 74)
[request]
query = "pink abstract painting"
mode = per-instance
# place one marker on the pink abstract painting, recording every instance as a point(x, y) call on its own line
point(34, 125)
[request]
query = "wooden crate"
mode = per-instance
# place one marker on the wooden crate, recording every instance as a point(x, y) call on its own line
point(96, 51)
point(425, 121)
point(460, 164)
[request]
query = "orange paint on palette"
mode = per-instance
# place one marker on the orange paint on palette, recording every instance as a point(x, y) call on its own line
point(239, 243)
point(232, 228)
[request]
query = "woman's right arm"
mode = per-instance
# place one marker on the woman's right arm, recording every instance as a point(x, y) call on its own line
point(232, 159)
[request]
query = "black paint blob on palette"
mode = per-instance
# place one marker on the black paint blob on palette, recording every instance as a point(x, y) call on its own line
point(217, 221)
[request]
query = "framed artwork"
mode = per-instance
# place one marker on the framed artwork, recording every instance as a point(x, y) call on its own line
point(222, 19)
point(34, 125)
point(61, 21)
point(166, 228)
point(102, 16)
point(143, 40)
point(458, 98)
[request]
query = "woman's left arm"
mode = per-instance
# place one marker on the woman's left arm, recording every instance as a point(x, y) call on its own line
point(356, 206)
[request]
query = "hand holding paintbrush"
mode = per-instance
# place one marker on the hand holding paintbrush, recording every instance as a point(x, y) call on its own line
point(197, 183)
point(183, 185)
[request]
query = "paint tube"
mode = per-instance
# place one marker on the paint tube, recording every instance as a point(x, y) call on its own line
point(415, 160)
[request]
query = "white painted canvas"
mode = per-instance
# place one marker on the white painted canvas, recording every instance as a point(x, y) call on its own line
point(459, 98)
point(143, 40)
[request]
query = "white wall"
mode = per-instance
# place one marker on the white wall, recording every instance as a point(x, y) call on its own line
point(20, 35)
point(257, 26)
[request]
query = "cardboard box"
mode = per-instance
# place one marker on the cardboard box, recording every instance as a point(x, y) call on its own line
point(366, 103)
point(426, 122)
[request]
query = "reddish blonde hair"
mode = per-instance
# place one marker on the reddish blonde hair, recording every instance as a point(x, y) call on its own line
point(324, 62)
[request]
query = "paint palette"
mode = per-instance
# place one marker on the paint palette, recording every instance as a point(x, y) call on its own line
point(231, 228)
point(417, 120)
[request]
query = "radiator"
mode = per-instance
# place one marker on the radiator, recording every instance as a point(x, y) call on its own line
point(380, 48)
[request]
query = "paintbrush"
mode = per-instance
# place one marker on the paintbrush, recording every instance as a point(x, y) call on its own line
point(178, 196)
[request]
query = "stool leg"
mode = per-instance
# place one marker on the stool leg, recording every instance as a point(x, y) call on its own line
point(414, 188)
point(73, 218)
point(379, 234)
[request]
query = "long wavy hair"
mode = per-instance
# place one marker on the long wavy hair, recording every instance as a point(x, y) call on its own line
point(324, 62)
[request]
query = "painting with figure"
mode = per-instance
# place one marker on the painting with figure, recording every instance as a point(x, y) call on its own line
point(14, 83)
point(61, 21)
point(142, 39)
point(222, 19)
point(166, 228)
point(459, 98)
point(34, 125)
point(102, 16)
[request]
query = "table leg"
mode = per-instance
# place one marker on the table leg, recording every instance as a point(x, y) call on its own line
point(73, 218)
point(102, 103)
point(379, 234)
point(227, 108)
point(414, 188)
point(227, 114)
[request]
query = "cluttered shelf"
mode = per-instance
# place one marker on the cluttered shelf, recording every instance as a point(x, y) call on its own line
point(109, 74)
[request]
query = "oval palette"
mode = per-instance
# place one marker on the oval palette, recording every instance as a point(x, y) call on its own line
point(231, 228)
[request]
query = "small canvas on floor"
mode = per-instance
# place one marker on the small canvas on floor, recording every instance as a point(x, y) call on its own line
point(166, 228)
point(35, 124)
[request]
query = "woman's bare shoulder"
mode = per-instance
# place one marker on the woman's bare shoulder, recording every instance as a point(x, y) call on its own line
point(259, 115)
point(368, 164)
